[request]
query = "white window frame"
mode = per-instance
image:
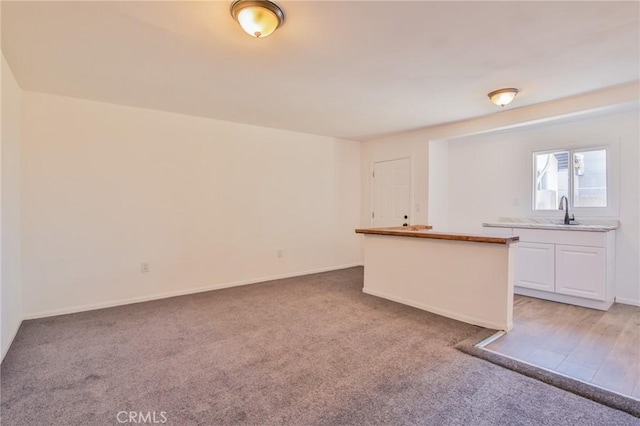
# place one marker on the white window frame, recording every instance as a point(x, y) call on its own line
point(611, 210)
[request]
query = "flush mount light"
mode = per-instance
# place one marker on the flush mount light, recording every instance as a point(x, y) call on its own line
point(257, 18)
point(503, 97)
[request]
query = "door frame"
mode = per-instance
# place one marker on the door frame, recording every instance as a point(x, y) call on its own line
point(411, 178)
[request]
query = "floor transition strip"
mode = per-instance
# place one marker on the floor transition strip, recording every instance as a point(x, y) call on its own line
point(585, 390)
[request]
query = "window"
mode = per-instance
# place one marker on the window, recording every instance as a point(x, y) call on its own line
point(580, 175)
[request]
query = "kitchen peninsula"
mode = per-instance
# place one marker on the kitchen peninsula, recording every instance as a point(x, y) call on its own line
point(461, 276)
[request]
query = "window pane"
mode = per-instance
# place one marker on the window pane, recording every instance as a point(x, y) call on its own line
point(590, 178)
point(551, 174)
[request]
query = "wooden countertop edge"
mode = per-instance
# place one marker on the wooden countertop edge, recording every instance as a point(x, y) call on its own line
point(425, 233)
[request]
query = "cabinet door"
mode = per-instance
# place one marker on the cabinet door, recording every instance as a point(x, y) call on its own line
point(581, 271)
point(535, 266)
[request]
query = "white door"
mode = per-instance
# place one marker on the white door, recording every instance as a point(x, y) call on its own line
point(581, 271)
point(391, 193)
point(535, 266)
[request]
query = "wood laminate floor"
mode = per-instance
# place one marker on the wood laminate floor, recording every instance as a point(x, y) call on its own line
point(594, 346)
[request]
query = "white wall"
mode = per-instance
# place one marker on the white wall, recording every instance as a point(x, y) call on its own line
point(206, 203)
point(490, 177)
point(432, 190)
point(438, 184)
point(11, 291)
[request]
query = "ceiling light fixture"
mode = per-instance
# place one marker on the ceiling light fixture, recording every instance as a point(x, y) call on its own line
point(503, 97)
point(257, 18)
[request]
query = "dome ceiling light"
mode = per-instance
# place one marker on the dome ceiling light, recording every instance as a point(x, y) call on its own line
point(503, 97)
point(257, 18)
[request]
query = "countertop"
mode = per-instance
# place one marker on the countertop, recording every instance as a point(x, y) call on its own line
point(425, 231)
point(543, 223)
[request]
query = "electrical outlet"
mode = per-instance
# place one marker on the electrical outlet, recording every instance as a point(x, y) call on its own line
point(280, 253)
point(144, 267)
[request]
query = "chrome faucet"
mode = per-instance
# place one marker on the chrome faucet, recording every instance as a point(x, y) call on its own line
point(567, 219)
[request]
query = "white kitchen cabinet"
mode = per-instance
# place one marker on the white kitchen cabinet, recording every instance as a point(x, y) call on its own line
point(581, 271)
point(574, 267)
point(535, 266)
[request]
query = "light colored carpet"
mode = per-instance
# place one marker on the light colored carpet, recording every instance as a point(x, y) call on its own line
point(301, 351)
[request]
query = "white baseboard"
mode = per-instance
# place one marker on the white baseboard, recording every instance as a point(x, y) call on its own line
point(112, 303)
point(438, 311)
point(563, 298)
point(626, 301)
point(5, 350)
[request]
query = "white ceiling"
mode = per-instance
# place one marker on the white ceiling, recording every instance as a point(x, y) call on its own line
point(345, 69)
